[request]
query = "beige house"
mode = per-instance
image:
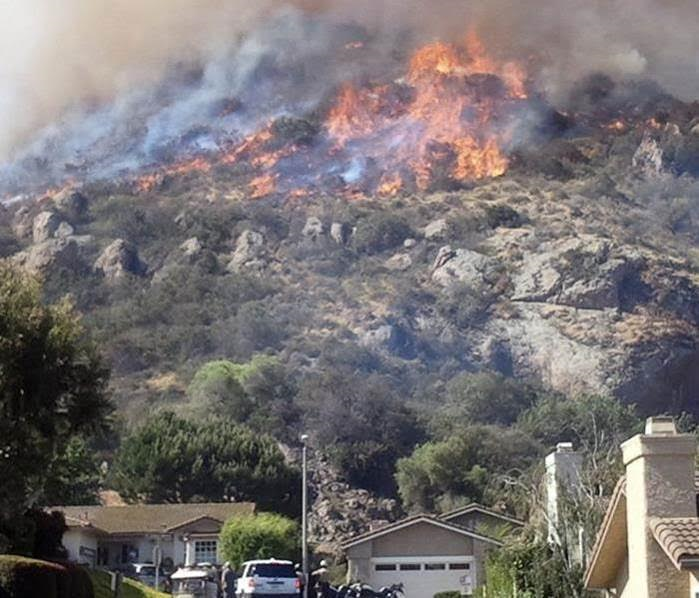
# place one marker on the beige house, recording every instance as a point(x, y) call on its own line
point(428, 554)
point(114, 537)
point(648, 544)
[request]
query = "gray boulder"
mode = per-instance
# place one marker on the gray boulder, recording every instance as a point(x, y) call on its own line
point(39, 258)
point(71, 203)
point(119, 259)
point(44, 226)
point(436, 230)
point(462, 266)
point(399, 262)
point(249, 252)
point(191, 247)
point(340, 233)
point(313, 229)
point(64, 231)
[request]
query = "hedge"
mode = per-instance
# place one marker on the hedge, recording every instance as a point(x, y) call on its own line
point(129, 589)
point(448, 595)
point(22, 577)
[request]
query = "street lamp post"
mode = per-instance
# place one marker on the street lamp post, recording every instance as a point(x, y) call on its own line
point(304, 515)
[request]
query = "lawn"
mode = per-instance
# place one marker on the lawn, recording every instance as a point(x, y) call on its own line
point(130, 589)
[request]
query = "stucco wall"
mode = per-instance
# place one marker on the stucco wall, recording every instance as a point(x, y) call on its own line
point(479, 521)
point(75, 538)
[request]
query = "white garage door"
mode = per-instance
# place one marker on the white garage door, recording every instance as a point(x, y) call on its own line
point(423, 577)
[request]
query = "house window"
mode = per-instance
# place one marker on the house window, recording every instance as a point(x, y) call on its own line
point(459, 566)
point(386, 567)
point(435, 566)
point(205, 551)
point(410, 567)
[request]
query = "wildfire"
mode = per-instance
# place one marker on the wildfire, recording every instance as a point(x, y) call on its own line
point(445, 121)
point(455, 92)
point(262, 186)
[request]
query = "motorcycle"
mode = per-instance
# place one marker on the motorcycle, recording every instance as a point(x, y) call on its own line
point(359, 590)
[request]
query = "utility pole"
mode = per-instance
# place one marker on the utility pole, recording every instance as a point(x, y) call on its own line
point(304, 515)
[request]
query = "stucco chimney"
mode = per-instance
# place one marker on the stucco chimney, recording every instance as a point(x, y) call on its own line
point(659, 483)
point(563, 468)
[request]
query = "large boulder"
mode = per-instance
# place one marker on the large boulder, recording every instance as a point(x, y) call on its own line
point(44, 226)
point(313, 229)
point(436, 229)
point(453, 266)
point(119, 259)
point(585, 272)
point(71, 203)
point(249, 252)
point(52, 253)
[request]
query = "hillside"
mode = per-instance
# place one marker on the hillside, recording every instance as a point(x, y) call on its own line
point(577, 269)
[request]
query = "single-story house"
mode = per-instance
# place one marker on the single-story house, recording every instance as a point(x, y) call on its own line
point(116, 536)
point(428, 554)
point(648, 542)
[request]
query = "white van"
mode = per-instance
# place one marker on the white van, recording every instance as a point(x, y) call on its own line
point(268, 579)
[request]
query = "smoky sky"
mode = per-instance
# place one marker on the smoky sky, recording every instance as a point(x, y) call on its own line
point(61, 54)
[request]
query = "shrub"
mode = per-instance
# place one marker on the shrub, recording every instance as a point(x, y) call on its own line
point(28, 578)
point(380, 233)
point(259, 536)
point(448, 595)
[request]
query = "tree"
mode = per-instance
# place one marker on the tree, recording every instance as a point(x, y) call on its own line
point(258, 393)
point(483, 397)
point(260, 536)
point(441, 475)
point(361, 424)
point(170, 459)
point(75, 475)
point(52, 388)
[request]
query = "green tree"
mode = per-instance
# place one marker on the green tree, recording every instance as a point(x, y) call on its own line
point(258, 393)
point(260, 536)
point(74, 475)
point(170, 459)
point(483, 397)
point(361, 425)
point(441, 475)
point(52, 388)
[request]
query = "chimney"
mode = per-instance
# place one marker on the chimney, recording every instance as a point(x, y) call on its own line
point(659, 483)
point(563, 468)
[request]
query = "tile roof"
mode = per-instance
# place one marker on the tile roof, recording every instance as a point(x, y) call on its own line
point(143, 519)
point(678, 537)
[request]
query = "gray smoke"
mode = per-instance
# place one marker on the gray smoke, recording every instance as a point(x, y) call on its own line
point(80, 77)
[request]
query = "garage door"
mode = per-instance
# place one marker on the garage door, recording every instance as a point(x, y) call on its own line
point(423, 577)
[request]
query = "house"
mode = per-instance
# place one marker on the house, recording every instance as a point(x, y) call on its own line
point(648, 542)
point(115, 536)
point(428, 554)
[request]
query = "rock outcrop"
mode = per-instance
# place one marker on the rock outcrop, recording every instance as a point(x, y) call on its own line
point(249, 252)
point(52, 253)
point(118, 260)
point(44, 226)
point(453, 266)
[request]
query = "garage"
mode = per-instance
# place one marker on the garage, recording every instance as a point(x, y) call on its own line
point(426, 554)
point(424, 576)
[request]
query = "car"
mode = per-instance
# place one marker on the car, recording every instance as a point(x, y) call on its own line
point(194, 582)
point(270, 578)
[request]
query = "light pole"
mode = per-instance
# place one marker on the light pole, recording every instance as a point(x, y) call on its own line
point(304, 514)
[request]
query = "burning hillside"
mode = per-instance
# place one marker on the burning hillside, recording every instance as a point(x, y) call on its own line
point(448, 119)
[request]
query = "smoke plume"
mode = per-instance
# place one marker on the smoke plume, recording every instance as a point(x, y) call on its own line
point(86, 71)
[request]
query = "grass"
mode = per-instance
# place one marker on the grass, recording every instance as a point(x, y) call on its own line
point(130, 588)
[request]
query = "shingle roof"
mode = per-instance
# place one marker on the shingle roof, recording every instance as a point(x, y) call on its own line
point(678, 537)
point(474, 506)
point(420, 518)
point(140, 519)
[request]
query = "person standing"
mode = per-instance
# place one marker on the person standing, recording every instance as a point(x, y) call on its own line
point(228, 581)
point(321, 578)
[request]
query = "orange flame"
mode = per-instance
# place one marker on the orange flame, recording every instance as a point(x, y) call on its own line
point(450, 117)
point(262, 186)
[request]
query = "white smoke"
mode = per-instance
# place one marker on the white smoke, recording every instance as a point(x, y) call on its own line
point(88, 71)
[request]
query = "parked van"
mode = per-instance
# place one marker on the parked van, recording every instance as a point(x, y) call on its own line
point(268, 578)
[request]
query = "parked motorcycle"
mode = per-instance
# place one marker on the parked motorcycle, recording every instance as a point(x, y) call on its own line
point(359, 590)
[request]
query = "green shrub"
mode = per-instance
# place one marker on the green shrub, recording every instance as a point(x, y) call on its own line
point(380, 232)
point(28, 578)
point(265, 535)
point(448, 595)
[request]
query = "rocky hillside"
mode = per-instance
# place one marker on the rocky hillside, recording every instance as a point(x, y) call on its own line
point(578, 269)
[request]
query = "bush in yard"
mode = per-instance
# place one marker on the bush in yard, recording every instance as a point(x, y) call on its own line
point(448, 595)
point(261, 536)
point(28, 578)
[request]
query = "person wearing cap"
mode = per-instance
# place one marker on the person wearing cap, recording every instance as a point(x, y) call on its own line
point(228, 581)
point(321, 578)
